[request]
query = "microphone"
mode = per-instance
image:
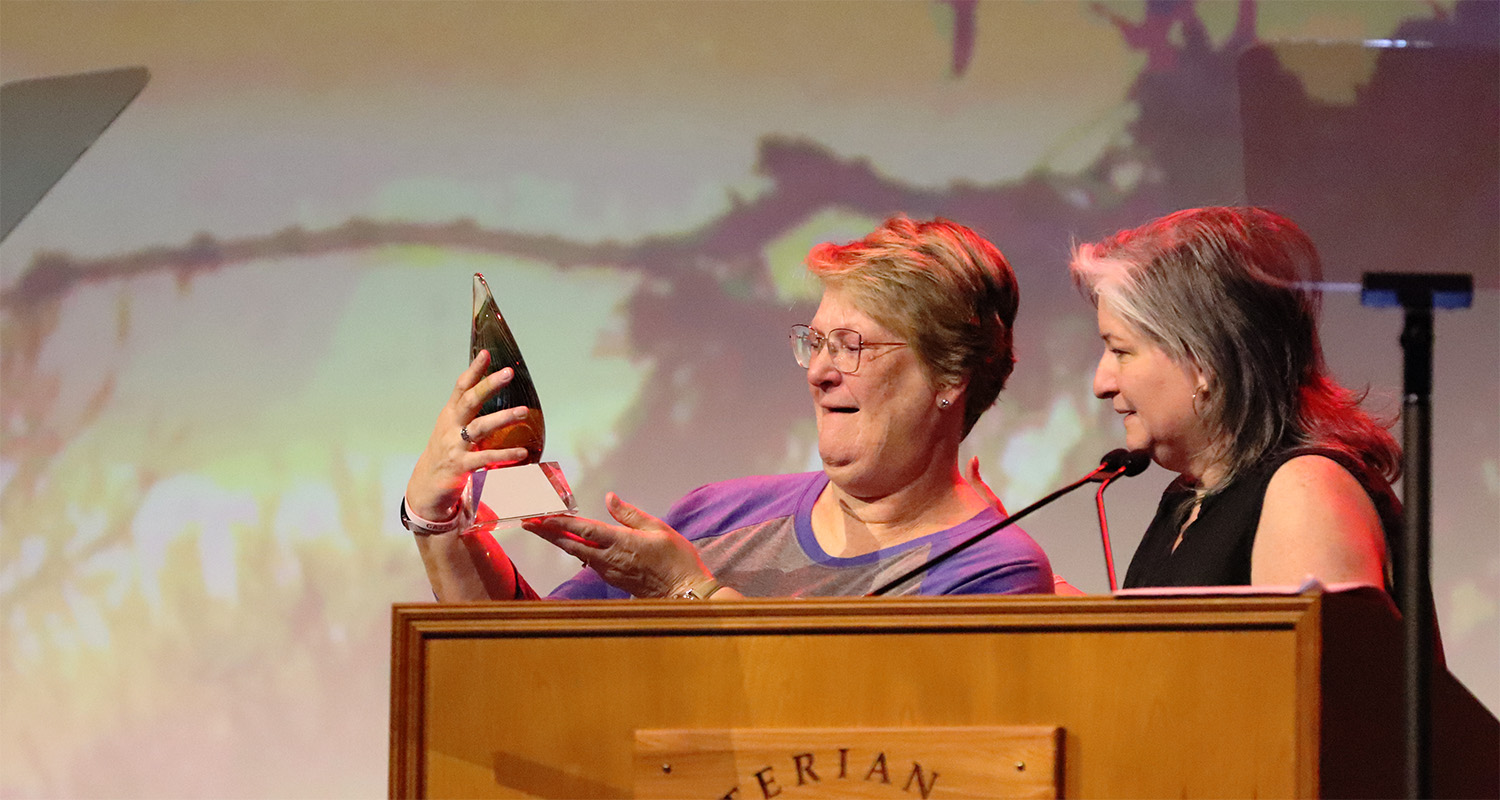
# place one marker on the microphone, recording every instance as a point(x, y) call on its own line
point(1125, 463)
point(1119, 463)
point(1114, 464)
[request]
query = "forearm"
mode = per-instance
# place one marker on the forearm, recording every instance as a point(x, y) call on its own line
point(463, 567)
point(463, 561)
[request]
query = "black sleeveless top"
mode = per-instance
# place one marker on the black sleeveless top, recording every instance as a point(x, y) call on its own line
point(1215, 549)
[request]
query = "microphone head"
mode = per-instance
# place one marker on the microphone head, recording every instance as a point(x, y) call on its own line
point(1114, 459)
point(1122, 463)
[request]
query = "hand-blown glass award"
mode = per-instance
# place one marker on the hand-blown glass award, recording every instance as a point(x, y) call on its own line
point(489, 332)
point(530, 488)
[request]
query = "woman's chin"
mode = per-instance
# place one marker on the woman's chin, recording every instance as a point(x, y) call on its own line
point(834, 465)
point(1136, 440)
point(844, 472)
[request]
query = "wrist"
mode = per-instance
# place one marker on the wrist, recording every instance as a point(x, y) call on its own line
point(698, 590)
point(435, 513)
point(423, 511)
point(432, 503)
point(456, 517)
point(423, 526)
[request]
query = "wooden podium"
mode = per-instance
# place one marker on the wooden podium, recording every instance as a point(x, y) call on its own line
point(1230, 696)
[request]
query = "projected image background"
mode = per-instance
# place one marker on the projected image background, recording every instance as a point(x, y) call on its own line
point(227, 330)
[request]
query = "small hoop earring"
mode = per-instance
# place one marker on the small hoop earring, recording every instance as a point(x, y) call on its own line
point(1197, 408)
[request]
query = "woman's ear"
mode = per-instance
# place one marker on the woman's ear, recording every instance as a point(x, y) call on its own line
point(1199, 376)
point(1202, 388)
point(951, 388)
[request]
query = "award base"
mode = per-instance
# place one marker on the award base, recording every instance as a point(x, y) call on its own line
point(524, 490)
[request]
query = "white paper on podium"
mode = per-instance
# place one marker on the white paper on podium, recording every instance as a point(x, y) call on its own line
point(1309, 584)
point(525, 490)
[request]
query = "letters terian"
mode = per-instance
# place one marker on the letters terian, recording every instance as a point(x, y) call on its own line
point(767, 786)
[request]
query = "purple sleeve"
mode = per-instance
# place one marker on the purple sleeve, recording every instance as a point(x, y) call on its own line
point(719, 508)
point(1009, 562)
point(708, 511)
point(586, 585)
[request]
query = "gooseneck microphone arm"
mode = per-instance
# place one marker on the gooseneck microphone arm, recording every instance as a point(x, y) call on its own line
point(1132, 464)
point(1114, 464)
point(1109, 555)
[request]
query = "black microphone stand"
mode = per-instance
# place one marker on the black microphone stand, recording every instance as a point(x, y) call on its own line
point(1418, 295)
point(965, 544)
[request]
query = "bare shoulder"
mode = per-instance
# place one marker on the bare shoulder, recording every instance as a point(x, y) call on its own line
point(1317, 520)
point(1312, 477)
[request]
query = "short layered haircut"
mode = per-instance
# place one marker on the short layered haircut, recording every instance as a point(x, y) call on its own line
point(941, 287)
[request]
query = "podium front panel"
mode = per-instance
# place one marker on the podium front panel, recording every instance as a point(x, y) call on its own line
point(1157, 697)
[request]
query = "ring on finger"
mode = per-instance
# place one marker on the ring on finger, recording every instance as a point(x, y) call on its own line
point(463, 433)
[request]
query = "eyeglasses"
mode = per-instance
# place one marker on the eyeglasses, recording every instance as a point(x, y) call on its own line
point(844, 347)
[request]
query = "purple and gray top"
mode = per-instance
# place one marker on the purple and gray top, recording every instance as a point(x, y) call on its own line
point(755, 534)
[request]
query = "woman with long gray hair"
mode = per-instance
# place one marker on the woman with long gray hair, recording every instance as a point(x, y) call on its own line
point(1211, 357)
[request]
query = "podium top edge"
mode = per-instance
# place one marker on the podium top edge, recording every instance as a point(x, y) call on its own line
point(851, 613)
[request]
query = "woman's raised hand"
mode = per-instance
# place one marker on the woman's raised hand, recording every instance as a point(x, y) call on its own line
point(642, 555)
point(437, 481)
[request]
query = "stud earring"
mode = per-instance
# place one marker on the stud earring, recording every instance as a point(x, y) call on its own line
point(943, 402)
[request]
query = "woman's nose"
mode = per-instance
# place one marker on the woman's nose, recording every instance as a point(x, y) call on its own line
point(1105, 385)
point(820, 369)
